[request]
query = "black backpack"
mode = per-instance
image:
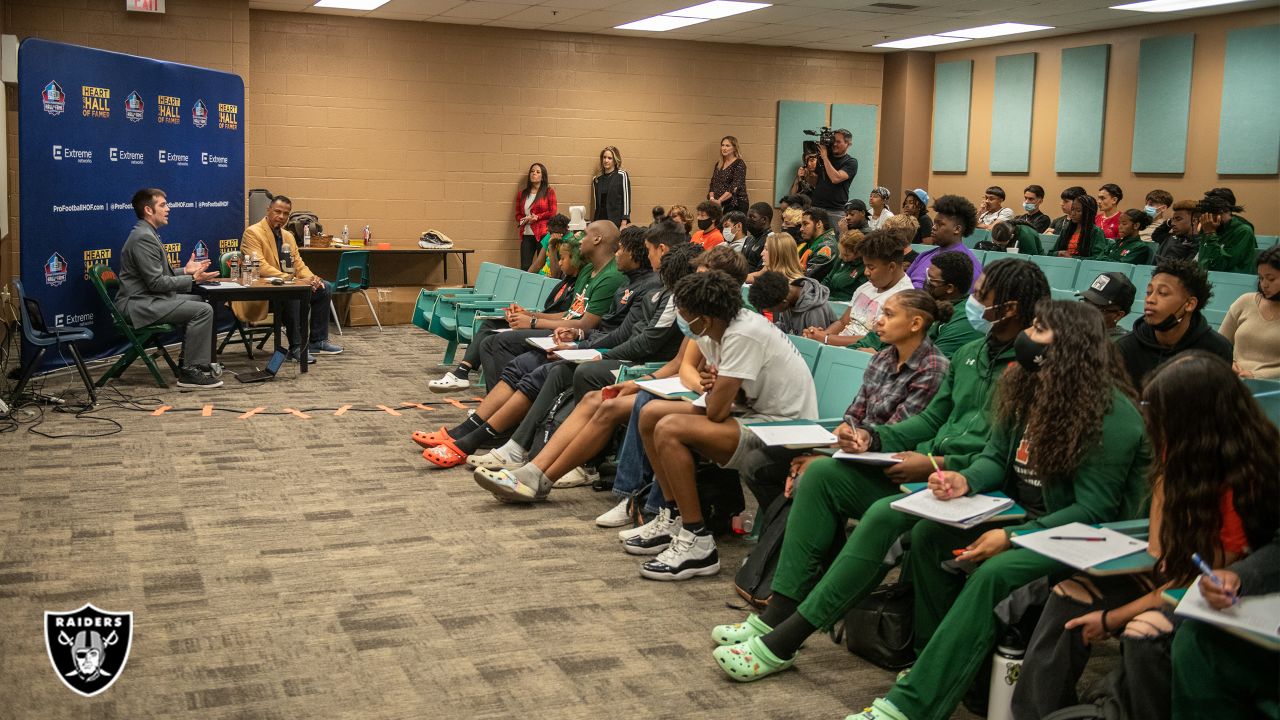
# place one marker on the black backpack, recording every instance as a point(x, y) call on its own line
point(559, 412)
point(300, 218)
point(720, 495)
point(754, 581)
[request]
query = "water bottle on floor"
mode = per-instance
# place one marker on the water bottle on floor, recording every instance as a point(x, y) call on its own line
point(1006, 665)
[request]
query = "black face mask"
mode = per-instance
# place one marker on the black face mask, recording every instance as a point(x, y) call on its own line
point(704, 224)
point(1029, 353)
point(1168, 323)
point(755, 230)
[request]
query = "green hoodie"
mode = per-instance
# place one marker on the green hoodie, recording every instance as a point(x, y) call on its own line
point(1110, 483)
point(1233, 248)
point(843, 278)
point(1133, 250)
point(956, 422)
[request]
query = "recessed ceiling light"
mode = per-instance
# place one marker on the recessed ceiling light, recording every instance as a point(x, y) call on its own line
point(717, 9)
point(919, 42)
point(660, 23)
point(351, 4)
point(990, 31)
point(1171, 5)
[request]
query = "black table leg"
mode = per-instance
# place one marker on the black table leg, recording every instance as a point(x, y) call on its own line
point(445, 257)
point(466, 282)
point(304, 332)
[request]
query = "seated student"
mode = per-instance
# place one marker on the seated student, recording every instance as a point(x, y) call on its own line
point(948, 283)
point(953, 429)
point(1032, 197)
point(846, 273)
point(681, 215)
point(800, 201)
point(899, 382)
point(1109, 197)
point(779, 255)
point(1178, 237)
point(1130, 247)
point(1012, 237)
point(993, 210)
point(1211, 496)
point(1068, 197)
point(1227, 243)
point(818, 248)
point(791, 218)
point(877, 201)
point(904, 228)
point(751, 364)
point(955, 221)
point(857, 216)
point(916, 204)
point(882, 263)
point(759, 220)
point(1252, 324)
point(1171, 320)
point(1082, 239)
point(707, 218)
point(733, 229)
point(795, 305)
point(1112, 293)
point(1068, 442)
point(1159, 208)
point(569, 263)
point(557, 226)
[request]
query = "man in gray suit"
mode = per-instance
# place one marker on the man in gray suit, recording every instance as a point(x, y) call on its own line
point(150, 289)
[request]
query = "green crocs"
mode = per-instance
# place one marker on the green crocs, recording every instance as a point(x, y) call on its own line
point(741, 632)
point(750, 660)
point(881, 709)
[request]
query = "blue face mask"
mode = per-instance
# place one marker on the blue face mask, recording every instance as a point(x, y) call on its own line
point(1149, 210)
point(974, 310)
point(1029, 207)
point(684, 327)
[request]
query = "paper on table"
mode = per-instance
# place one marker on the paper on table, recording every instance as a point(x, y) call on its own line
point(542, 343)
point(868, 458)
point(793, 436)
point(1253, 614)
point(702, 403)
point(1080, 554)
point(664, 386)
point(221, 285)
point(962, 512)
point(578, 355)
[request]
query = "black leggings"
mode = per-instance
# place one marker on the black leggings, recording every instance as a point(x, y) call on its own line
point(529, 246)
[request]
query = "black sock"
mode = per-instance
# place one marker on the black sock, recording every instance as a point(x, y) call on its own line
point(464, 427)
point(780, 608)
point(462, 371)
point(787, 638)
point(698, 528)
point(484, 436)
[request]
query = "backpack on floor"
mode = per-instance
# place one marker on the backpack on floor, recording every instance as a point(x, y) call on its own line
point(555, 417)
point(720, 495)
point(754, 581)
point(881, 628)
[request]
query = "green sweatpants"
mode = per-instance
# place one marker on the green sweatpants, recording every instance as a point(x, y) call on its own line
point(955, 623)
point(1218, 675)
point(829, 494)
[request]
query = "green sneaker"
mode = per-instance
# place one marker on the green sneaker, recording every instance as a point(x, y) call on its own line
point(750, 660)
point(881, 709)
point(741, 632)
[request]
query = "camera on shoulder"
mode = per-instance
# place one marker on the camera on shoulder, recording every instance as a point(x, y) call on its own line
point(825, 137)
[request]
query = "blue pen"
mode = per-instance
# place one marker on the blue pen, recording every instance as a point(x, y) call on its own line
point(1208, 572)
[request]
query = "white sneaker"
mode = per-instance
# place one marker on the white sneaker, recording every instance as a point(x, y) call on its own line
point(448, 383)
point(654, 536)
point(686, 557)
point(578, 477)
point(495, 460)
point(616, 516)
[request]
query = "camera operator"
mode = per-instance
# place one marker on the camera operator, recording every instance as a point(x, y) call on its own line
point(836, 171)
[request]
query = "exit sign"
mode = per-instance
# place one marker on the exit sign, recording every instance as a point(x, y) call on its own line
point(154, 6)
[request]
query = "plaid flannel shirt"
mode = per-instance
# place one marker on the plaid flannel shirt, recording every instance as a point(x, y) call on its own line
point(889, 395)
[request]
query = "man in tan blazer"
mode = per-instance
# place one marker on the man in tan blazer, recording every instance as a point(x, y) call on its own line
point(265, 240)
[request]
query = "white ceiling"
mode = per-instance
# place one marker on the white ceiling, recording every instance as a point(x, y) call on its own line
point(851, 25)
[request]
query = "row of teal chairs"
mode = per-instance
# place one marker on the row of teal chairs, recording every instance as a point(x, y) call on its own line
point(454, 314)
point(1051, 241)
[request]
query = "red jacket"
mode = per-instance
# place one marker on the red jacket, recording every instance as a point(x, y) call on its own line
point(542, 210)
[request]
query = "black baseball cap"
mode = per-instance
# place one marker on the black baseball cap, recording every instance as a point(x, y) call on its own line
point(855, 204)
point(1111, 288)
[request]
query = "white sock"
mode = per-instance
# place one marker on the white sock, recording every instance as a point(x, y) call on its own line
point(512, 452)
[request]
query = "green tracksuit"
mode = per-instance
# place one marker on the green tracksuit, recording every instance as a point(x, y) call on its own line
point(843, 278)
point(948, 337)
point(1131, 250)
point(1233, 248)
point(1098, 246)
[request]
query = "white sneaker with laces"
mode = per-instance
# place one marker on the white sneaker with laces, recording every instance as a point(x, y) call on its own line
point(448, 383)
point(655, 535)
point(687, 556)
point(578, 477)
point(616, 516)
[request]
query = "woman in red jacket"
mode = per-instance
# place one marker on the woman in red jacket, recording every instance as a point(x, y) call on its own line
point(535, 204)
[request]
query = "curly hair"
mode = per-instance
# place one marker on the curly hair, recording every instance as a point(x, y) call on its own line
point(632, 242)
point(1193, 277)
point(558, 223)
point(680, 214)
point(725, 259)
point(956, 268)
point(573, 243)
point(769, 290)
point(1017, 281)
point(960, 209)
point(665, 232)
point(1209, 435)
point(712, 210)
point(902, 227)
point(880, 245)
point(1063, 404)
point(851, 239)
point(678, 262)
point(712, 293)
point(818, 217)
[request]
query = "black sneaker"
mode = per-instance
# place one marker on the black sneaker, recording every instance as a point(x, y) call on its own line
point(190, 377)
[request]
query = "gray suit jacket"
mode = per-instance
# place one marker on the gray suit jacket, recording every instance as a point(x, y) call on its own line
point(149, 286)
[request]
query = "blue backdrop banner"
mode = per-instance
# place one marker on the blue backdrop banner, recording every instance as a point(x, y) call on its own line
point(94, 127)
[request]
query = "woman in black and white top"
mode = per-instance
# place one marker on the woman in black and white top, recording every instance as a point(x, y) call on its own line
point(729, 178)
point(611, 189)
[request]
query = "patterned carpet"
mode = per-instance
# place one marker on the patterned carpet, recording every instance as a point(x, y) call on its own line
point(281, 567)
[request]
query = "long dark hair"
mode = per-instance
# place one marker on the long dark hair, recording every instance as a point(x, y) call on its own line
point(1208, 435)
point(528, 184)
point(1088, 218)
point(1062, 405)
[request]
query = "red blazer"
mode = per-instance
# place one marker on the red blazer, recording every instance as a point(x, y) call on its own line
point(541, 209)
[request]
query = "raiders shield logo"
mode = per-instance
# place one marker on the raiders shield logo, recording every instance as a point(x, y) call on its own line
point(88, 647)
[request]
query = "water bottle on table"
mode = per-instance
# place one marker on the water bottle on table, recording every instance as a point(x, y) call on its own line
point(286, 259)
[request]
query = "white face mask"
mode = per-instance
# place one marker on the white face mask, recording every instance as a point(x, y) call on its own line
point(727, 232)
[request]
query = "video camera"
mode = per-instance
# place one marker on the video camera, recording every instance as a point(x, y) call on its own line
point(825, 136)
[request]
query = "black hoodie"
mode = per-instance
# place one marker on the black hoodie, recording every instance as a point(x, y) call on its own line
point(1143, 353)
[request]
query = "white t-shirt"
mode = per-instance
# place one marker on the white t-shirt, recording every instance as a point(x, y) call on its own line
point(865, 305)
point(878, 222)
point(528, 204)
point(775, 378)
point(1004, 214)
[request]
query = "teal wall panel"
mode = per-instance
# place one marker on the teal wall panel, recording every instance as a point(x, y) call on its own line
point(1082, 105)
point(863, 122)
point(1015, 90)
point(1163, 104)
point(1249, 134)
point(952, 85)
point(793, 119)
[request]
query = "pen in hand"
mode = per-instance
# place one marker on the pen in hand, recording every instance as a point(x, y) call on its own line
point(1208, 572)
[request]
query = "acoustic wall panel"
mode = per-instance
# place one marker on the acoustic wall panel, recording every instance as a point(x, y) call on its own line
point(1082, 104)
point(863, 122)
point(1249, 132)
point(1015, 89)
point(1163, 104)
point(793, 119)
point(952, 86)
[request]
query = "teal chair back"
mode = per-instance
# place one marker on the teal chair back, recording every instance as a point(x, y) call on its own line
point(1090, 270)
point(1050, 242)
point(1062, 294)
point(921, 247)
point(978, 236)
point(1267, 393)
point(1266, 241)
point(508, 282)
point(353, 271)
point(838, 307)
point(1214, 317)
point(1141, 278)
point(1061, 272)
point(809, 350)
point(487, 278)
point(838, 376)
point(982, 255)
point(1227, 287)
point(422, 309)
point(529, 292)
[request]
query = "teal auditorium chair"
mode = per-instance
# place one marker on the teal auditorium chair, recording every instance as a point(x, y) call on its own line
point(1141, 278)
point(1267, 393)
point(1266, 241)
point(1057, 294)
point(352, 277)
point(444, 318)
point(1227, 287)
point(978, 236)
point(530, 293)
point(838, 376)
point(921, 247)
point(808, 349)
point(1050, 242)
point(1090, 270)
point(1061, 272)
point(486, 279)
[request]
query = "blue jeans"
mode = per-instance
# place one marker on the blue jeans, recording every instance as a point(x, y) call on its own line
point(634, 471)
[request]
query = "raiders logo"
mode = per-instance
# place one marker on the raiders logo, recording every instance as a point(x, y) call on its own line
point(88, 647)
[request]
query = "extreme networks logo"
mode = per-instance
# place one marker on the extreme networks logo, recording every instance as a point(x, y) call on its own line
point(168, 110)
point(211, 159)
point(199, 114)
point(96, 102)
point(83, 157)
point(55, 101)
point(228, 116)
point(133, 158)
point(175, 158)
point(133, 107)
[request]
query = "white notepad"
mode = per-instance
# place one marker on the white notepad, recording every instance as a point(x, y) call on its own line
point(1080, 554)
point(578, 356)
point(664, 387)
point(961, 512)
point(793, 436)
point(542, 343)
point(1259, 615)
point(868, 458)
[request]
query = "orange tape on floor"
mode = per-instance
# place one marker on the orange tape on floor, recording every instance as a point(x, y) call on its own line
point(207, 411)
point(251, 413)
point(388, 410)
point(420, 406)
point(298, 413)
point(457, 404)
point(160, 410)
point(342, 411)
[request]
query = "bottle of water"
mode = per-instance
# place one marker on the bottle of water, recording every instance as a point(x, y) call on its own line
point(1006, 665)
point(306, 234)
point(346, 234)
point(233, 267)
point(367, 236)
point(286, 259)
point(252, 267)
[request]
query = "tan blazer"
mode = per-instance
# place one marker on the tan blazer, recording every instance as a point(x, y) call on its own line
point(259, 239)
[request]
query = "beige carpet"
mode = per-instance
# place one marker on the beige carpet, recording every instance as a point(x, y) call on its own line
point(287, 568)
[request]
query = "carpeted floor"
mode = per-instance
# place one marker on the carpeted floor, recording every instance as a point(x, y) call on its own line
point(281, 567)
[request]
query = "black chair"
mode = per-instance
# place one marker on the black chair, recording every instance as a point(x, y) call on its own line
point(38, 334)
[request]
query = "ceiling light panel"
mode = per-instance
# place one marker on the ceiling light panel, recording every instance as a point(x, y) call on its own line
point(919, 42)
point(660, 23)
point(997, 30)
point(1160, 6)
point(717, 9)
point(351, 4)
